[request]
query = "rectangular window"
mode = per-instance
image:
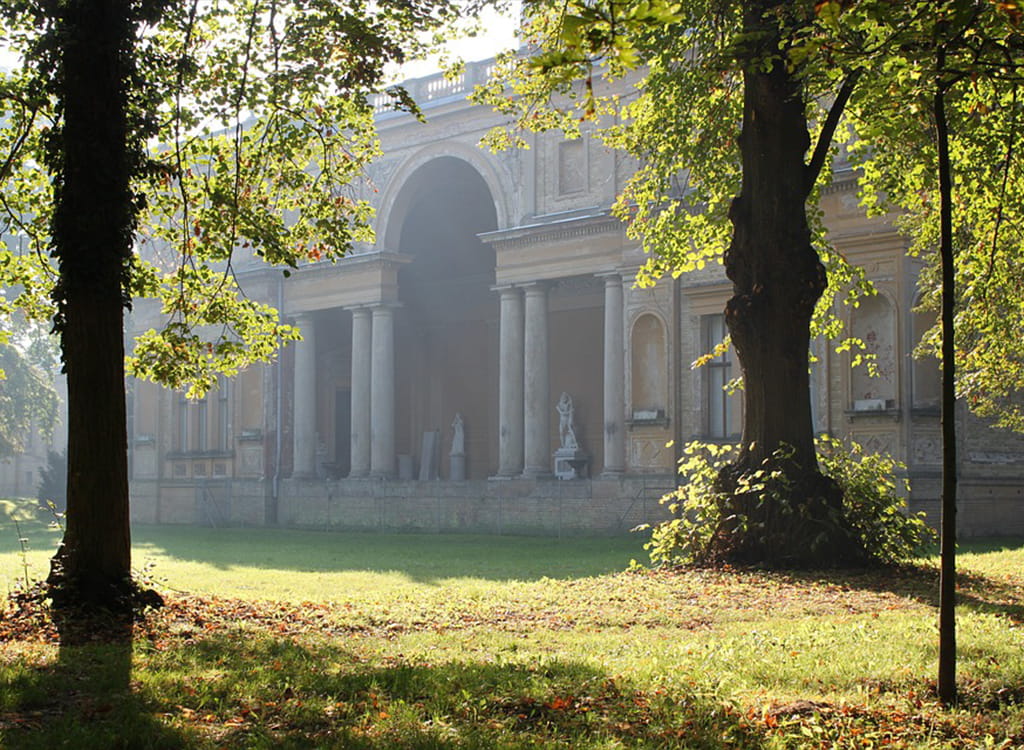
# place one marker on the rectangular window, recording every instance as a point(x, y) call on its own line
point(202, 429)
point(182, 441)
point(720, 414)
point(223, 426)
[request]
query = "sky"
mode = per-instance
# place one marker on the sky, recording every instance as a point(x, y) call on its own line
point(498, 34)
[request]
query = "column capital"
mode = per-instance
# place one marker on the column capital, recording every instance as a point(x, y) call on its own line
point(506, 288)
point(534, 288)
point(610, 277)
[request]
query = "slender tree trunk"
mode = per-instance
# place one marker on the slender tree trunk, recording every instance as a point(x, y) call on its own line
point(92, 236)
point(777, 280)
point(947, 579)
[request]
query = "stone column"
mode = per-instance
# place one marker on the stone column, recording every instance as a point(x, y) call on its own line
point(537, 400)
point(304, 409)
point(614, 378)
point(510, 384)
point(360, 434)
point(382, 393)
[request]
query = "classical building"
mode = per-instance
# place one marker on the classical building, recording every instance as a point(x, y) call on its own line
point(497, 283)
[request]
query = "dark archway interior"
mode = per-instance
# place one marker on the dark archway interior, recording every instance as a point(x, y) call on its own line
point(447, 326)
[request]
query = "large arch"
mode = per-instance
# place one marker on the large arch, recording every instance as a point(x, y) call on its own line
point(446, 327)
point(400, 191)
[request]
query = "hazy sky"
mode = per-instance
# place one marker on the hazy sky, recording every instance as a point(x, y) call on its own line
point(498, 35)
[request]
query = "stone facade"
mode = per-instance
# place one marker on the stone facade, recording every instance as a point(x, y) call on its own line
point(497, 282)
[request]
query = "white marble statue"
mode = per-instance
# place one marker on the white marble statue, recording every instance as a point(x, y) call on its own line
point(566, 428)
point(458, 437)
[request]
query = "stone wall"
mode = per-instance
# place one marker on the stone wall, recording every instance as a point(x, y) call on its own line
point(530, 507)
point(542, 507)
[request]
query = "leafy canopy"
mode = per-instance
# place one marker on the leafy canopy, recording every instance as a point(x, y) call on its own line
point(982, 45)
point(253, 122)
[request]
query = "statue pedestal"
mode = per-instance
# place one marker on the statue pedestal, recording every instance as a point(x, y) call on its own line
point(457, 469)
point(571, 463)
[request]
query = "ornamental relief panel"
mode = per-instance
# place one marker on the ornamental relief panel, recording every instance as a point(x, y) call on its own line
point(883, 443)
point(648, 453)
point(926, 448)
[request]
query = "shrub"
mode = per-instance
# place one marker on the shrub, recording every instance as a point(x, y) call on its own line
point(706, 521)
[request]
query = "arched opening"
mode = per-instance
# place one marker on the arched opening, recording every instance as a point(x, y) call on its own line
point(446, 328)
point(874, 385)
point(649, 367)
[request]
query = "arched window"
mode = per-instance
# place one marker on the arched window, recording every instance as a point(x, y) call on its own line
point(874, 384)
point(649, 367)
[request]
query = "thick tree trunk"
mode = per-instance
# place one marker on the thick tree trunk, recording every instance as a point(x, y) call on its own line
point(777, 280)
point(92, 236)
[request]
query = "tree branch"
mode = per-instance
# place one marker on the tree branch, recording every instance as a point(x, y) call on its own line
point(828, 130)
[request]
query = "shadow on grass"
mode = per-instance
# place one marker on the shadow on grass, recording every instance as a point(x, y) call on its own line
point(84, 701)
point(424, 558)
point(261, 692)
point(976, 591)
point(323, 696)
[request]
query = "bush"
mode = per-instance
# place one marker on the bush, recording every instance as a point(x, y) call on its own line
point(705, 521)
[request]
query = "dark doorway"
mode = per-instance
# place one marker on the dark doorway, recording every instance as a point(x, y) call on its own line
point(447, 327)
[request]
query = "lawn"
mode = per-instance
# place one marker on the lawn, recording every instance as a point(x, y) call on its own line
point(304, 639)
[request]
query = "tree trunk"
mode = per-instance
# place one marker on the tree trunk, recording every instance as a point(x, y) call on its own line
point(92, 240)
point(777, 280)
point(947, 578)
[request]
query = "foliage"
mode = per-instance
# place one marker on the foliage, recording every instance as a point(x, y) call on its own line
point(28, 401)
point(895, 148)
point(258, 119)
point(705, 521)
point(53, 479)
point(874, 501)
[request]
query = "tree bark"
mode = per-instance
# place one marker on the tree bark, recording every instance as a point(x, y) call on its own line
point(92, 239)
point(777, 280)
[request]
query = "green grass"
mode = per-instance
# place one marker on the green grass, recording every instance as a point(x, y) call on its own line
point(320, 566)
point(306, 639)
